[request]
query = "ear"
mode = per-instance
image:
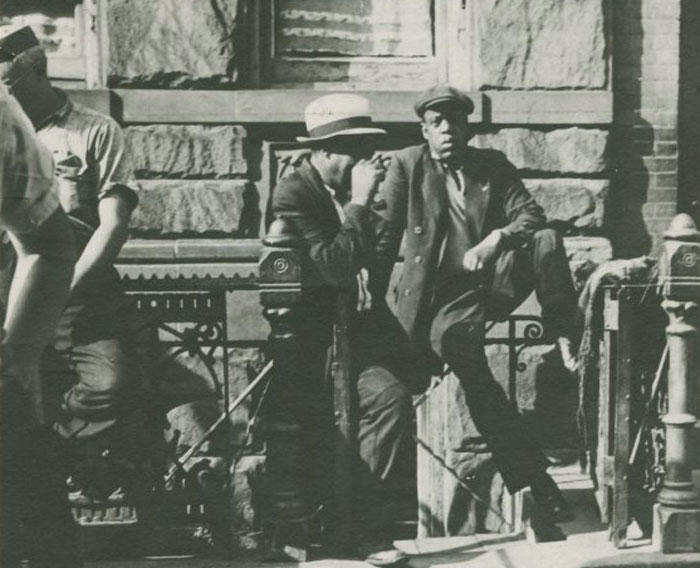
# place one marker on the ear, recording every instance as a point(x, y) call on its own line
point(424, 130)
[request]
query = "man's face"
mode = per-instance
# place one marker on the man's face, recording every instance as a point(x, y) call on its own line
point(345, 152)
point(445, 130)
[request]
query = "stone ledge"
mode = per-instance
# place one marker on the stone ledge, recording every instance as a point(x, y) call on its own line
point(145, 251)
point(286, 105)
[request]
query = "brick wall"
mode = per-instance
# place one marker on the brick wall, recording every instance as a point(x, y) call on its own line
point(644, 149)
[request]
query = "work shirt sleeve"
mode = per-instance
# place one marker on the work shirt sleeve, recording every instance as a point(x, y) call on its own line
point(112, 161)
point(27, 196)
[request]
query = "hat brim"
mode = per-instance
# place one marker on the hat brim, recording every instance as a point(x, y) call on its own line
point(346, 132)
point(466, 106)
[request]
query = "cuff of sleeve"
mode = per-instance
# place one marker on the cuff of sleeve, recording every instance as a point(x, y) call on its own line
point(356, 212)
point(125, 191)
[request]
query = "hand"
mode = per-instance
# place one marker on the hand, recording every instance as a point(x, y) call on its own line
point(364, 296)
point(366, 177)
point(566, 349)
point(481, 255)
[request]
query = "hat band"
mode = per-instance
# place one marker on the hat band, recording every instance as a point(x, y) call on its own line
point(341, 124)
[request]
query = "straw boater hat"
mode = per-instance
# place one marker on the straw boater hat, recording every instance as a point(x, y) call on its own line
point(338, 115)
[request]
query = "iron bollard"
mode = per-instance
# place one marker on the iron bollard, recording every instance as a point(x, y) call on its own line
point(286, 515)
point(677, 515)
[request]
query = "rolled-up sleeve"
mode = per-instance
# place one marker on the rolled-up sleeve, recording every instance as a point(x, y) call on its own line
point(115, 174)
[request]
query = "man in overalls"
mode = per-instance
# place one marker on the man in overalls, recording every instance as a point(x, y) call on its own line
point(93, 368)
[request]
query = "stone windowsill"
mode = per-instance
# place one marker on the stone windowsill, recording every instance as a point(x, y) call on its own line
point(145, 251)
point(286, 105)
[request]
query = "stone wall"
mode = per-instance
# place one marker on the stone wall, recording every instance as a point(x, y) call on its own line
point(169, 43)
point(211, 181)
point(542, 44)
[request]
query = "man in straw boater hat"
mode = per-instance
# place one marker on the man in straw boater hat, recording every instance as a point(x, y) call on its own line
point(476, 246)
point(35, 520)
point(92, 363)
point(328, 198)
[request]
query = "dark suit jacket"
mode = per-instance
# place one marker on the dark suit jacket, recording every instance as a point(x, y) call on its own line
point(334, 253)
point(416, 204)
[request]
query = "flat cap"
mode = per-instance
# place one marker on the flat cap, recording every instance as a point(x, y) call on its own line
point(443, 93)
point(15, 43)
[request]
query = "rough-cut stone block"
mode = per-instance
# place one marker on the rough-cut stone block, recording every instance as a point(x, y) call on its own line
point(196, 206)
point(568, 150)
point(542, 44)
point(579, 200)
point(593, 249)
point(168, 150)
point(170, 43)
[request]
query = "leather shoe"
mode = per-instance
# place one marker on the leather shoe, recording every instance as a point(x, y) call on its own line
point(385, 555)
point(549, 502)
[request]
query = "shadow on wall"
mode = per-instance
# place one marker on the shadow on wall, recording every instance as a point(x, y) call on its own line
point(689, 110)
point(631, 138)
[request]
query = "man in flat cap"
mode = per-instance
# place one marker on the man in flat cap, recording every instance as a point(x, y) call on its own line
point(93, 359)
point(35, 520)
point(475, 247)
point(328, 198)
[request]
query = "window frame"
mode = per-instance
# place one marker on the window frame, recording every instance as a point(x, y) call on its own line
point(451, 18)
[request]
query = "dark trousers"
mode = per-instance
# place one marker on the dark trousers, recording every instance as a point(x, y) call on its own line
point(384, 420)
point(35, 518)
point(384, 417)
point(464, 304)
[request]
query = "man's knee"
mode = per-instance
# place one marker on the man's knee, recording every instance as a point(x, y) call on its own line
point(463, 340)
point(546, 239)
point(381, 392)
point(106, 377)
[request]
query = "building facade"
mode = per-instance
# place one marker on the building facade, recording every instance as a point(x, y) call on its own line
point(595, 101)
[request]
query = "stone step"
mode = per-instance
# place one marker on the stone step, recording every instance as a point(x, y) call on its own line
point(577, 487)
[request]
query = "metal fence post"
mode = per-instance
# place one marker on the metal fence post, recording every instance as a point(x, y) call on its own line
point(677, 518)
point(286, 514)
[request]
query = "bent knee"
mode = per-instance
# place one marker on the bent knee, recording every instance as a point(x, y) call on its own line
point(379, 389)
point(546, 237)
point(106, 376)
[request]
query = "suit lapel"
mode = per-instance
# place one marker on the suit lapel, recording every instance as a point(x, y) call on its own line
point(434, 189)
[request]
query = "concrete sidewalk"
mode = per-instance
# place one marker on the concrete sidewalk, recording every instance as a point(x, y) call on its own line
point(586, 550)
point(586, 546)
